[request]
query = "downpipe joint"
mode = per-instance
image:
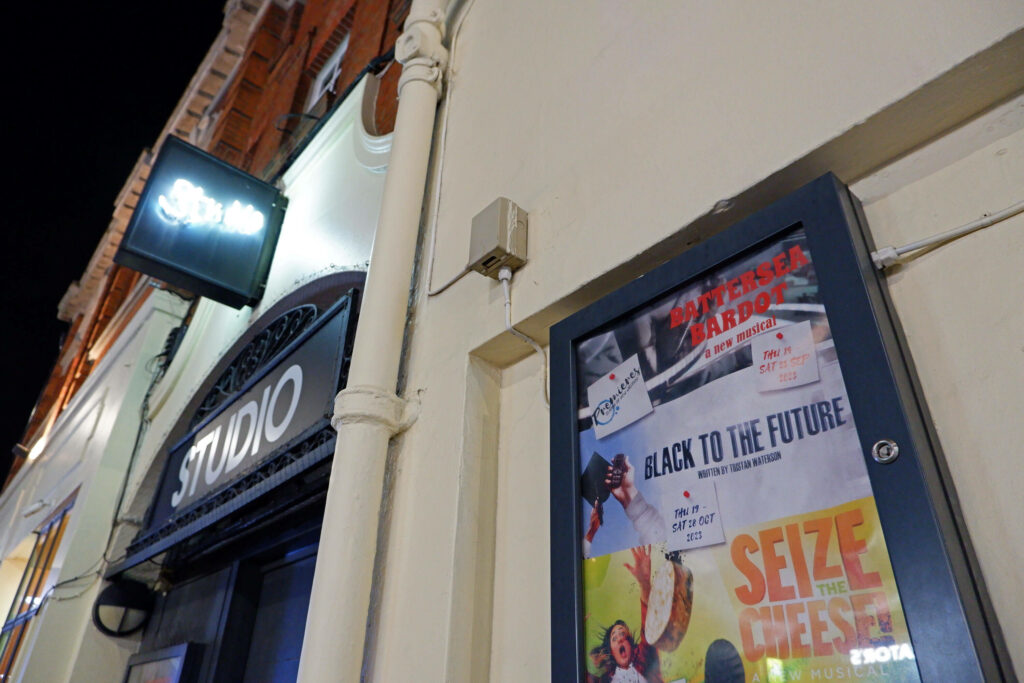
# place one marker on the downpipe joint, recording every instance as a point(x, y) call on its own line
point(420, 51)
point(365, 404)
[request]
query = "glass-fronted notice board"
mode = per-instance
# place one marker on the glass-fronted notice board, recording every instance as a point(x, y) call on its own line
point(737, 491)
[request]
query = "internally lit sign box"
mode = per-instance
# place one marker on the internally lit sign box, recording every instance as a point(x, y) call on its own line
point(204, 225)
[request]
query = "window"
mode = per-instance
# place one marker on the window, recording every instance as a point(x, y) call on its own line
point(32, 588)
point(327, 78)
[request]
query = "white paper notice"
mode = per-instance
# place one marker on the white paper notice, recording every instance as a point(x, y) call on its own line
point(619, 398)
point(693, 517)
point(785, 357)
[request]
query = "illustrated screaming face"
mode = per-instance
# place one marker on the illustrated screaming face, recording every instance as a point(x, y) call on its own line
point(621, 646)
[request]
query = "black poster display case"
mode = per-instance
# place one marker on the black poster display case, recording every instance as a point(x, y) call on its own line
point(745, 485)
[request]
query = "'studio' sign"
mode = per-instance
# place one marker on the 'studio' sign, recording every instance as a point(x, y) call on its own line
point(293, 397)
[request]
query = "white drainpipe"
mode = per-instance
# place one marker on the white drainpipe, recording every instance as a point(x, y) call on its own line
point(368, 412)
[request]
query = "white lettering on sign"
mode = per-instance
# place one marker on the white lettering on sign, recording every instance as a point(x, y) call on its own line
point(243, 435)
point(880, 655)
point(187, 204)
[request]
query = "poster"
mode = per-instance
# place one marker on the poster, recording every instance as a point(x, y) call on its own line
point(730, 531)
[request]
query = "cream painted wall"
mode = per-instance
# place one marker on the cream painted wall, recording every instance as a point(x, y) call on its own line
point(88, 449)
point(11, 571)
point(333, 205)
point(614, 127)
point(964, 323)
point(520, 648)
point(75, 442)
point(213, 328)
point(329, 227)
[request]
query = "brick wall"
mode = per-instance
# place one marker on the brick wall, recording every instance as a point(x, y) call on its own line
point(243, 99)
point(321, 20)
point(283, 96)
point(262, 117)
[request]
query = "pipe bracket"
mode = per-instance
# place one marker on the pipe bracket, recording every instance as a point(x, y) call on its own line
point(434, 17)
point(366, 404)
point(420, 51)
point(422, 69)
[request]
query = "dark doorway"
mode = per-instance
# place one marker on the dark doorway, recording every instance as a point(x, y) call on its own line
point(280, 619)
point(248, 616)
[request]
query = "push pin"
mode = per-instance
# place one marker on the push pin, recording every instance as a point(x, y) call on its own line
point(778, 335)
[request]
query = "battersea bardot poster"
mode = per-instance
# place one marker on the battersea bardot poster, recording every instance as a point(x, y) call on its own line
point(729, 528)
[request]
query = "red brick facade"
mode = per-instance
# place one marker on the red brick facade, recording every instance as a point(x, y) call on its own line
point(262, 117)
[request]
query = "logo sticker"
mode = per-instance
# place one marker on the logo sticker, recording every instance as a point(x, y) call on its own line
point(619, 398)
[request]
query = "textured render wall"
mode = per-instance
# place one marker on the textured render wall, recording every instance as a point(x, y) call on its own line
point(522, 566)
point(616, 125)
point(333, 205)
point(613, 126)
point(961, 311)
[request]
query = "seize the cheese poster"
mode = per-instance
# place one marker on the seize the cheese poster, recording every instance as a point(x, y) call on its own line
point(730, 532)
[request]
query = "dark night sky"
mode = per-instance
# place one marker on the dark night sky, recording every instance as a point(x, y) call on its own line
point(88, 87)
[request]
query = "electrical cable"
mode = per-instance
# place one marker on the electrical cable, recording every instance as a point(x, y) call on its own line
point(166, 354)
point(442, 145)
point(887, 256)
point(505, 275)
point(447, 284)
point(376, 66)
point(95, 570)
point(163, 287)
point(61, 598)
point(373, 66)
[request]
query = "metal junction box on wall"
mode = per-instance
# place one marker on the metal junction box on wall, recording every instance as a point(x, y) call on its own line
point(498, 238)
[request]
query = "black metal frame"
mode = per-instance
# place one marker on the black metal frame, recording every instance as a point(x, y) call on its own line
point(955, 634)
point(32, 581)
point(188, 652)
point(256, 355)
point(272, 472)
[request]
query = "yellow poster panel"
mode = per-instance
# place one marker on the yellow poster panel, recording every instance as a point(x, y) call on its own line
point(803, 598)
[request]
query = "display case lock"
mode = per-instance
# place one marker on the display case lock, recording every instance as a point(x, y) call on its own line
point(885, 451)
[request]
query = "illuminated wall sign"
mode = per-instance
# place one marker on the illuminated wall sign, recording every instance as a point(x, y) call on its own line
point(204, 225)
